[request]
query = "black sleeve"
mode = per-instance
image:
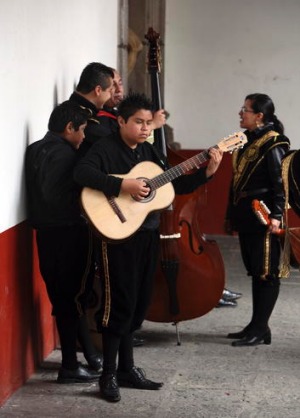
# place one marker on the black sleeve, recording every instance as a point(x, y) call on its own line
point(90, 172)
point(190, 182)
point(274, 157)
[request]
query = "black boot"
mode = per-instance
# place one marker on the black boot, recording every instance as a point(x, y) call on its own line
point(255, 296)
point(268, 291)
point(255, 339)
point(240, 334)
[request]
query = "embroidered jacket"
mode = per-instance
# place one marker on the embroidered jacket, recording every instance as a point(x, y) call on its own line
point(257, 175)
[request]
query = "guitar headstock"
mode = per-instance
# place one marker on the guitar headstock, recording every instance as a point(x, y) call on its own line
point(233, 142)
point(154, 59)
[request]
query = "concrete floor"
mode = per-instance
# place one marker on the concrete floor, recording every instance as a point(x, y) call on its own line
point(204, 377)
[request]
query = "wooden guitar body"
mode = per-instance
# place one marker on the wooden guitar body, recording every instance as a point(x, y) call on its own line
point(107, 222)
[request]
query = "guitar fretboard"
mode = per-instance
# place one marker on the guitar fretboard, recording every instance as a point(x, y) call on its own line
point(180, 169)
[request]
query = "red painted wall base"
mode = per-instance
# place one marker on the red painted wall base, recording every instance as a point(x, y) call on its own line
point(27, 330)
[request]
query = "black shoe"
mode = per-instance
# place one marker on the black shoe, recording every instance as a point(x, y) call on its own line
point(251, 340)
point(79, 375)
point(230, 295)
point(137, 341)
point(136, 378)
point(109, 388)
point(94, 362)
point(226, 303)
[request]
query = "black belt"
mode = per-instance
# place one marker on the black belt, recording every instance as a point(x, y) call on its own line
point(249, 193)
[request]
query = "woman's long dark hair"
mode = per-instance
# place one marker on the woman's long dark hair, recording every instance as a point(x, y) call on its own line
point(264, 104)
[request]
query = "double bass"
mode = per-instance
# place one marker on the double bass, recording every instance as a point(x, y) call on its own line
point(190, 275)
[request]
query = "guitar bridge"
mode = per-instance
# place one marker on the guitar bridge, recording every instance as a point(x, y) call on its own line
point(116, 208)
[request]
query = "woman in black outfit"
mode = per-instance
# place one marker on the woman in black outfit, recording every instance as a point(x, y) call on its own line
point(257, 175)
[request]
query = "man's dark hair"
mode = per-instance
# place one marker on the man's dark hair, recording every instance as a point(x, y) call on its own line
point(132, 103)
point(93, 75)
point(67, 112)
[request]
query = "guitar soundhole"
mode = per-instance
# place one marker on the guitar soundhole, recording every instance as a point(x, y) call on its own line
point(151, 194)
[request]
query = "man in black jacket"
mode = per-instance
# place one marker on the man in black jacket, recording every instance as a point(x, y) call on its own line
point(95, 88)
point(62, 236)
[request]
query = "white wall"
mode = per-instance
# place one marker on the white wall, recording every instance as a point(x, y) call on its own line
point(45, 44)
point(217, 52)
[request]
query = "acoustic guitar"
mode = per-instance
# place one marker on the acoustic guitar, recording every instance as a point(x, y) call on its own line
point(117, 218)
point(262, 212)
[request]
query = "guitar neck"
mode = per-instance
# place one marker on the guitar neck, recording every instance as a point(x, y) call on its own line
point(179, 170)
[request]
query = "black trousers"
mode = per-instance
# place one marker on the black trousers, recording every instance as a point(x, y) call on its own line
point(127, 270)
point(65, 265)
point(64, 258)
point(261, 254)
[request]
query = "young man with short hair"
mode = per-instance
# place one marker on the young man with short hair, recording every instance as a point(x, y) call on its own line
point(128, 267)
point(63, 238)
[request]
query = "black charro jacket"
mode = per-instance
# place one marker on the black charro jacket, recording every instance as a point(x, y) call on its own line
point(257, 175)
point(95, 128)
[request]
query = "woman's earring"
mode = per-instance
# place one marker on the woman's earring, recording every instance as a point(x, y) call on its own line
point(259, 124)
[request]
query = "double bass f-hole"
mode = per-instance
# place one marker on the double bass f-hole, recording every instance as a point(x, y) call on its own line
point(200, 248)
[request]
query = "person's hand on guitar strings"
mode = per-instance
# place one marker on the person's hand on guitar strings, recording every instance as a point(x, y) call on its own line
point(136, 187)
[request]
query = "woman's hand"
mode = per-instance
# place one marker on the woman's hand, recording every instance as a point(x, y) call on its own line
point(274, 226)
